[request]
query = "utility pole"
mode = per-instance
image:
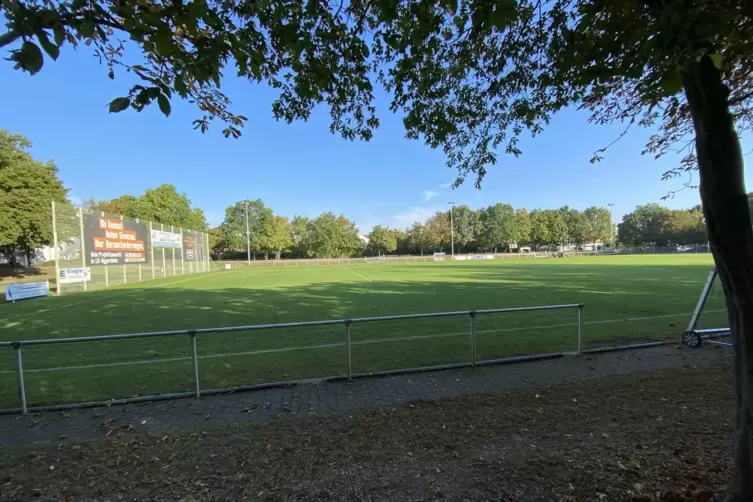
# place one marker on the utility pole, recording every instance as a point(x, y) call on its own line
point(248, 238)
point(452, 231)
point(611, 226)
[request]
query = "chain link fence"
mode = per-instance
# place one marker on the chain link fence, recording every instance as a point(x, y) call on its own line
point(94, 250)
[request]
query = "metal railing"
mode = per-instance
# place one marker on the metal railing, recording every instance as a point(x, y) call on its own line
point(347, 323)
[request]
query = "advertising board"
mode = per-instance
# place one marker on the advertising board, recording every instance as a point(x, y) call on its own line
point(110, 241)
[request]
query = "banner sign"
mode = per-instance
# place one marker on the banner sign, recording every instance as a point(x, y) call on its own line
point(74, 275)
point(473, 257)
point(162, 239)
point(114, 242)
point(26, 290)
point(193, 246)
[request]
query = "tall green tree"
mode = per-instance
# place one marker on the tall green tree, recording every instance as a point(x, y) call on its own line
point(27, 188)
point(557, 233)
point(496, 226)
point(418, 237)
point(522, 227)
point(464, 223)
point(275, 235)
point(437, 232)
point(598, 224)
point(299, 229)
point(348, 242)
point(235, 224)
point(539, 227)
point(647, 224)
point(166, 205)
point(577, 227)
point(382, 240)
point(126, 205)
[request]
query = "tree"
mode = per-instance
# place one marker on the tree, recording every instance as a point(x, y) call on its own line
point(27, 188)
point(382, 240)
point(685, 226)
point(167, 206)
point(576, 225)
point(598, 224)
point(299, 229)
point(437, 231)
point(464, 223)
point(126, 205)
point(556, 227)
point(522, 227)
point(539, 227)
point(234, 226)
point(647, 224)
point(276, 235)
point(418, 237)
point(496, 226)
point(471, 77)
point(348, 242)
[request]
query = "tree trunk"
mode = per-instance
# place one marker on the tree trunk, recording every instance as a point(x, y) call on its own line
point(729, 229)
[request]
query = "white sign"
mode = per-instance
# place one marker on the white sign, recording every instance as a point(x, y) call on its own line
point(162, 239)
point(74, 275)
point(24, 290)
point(473, 257)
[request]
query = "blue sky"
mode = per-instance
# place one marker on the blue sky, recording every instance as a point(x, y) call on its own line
point(302, 168)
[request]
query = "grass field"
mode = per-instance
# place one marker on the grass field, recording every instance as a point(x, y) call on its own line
point(626, 297)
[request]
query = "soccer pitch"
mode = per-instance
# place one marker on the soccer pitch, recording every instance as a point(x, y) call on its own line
point(627, 298)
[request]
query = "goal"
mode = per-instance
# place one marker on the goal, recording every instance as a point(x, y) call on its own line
point(439, 256)
point(374, 259)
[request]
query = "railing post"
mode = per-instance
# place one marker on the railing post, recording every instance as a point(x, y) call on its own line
point(580, 329)
point(473, 338)
point(350, 354)
point(20, 377)
point(195, 360)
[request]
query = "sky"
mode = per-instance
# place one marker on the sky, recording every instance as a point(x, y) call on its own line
point(302, 168)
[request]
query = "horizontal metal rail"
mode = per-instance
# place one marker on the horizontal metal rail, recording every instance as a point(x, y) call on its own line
point(347, 323)
point(255, 327)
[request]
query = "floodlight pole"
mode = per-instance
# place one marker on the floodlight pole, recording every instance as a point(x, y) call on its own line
point(611, 226)
point(452, 231)
point(248, 238)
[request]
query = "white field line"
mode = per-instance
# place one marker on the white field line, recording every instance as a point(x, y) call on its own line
point(359, 275)
point(99, 297)
point(341, 344)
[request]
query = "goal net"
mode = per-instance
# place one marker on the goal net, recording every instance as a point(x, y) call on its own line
point(439, 256)
point(374, 259)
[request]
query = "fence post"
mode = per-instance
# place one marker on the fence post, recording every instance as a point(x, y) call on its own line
point(172, 231)
point(20, 377)
point(125, 269)
point(182, 263)
point(473, 338)
point(580, 329)
point(164, 264)
point(107, 277)
point(195, 359)
point(350, 354)
point(57, 251)
point(151, 249)
point(83, 245)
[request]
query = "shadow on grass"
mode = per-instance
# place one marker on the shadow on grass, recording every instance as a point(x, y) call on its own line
point(155, 365)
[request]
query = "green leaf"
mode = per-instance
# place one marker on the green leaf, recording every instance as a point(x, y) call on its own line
point(119, 104)
point(48, 46)
point(671, 83)
point(32, 58)
point(86, 28)
point(716, 59)
point(164, 104)
point(59, 34)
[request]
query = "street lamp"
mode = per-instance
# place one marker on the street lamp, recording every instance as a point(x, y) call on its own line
point(611, 226)
point(452, 231)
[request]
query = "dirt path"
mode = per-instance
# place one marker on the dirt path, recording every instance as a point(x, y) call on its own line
point(620, 437)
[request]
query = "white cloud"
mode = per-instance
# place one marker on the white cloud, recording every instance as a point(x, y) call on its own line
point(413, 214)
point(402, 219)
point(429, 194)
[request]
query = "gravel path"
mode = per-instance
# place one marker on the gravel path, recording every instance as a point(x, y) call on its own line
point(340, 397)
